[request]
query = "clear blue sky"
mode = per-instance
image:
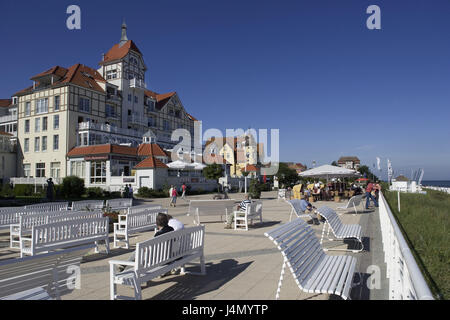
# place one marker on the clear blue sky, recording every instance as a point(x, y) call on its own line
point(309, 68)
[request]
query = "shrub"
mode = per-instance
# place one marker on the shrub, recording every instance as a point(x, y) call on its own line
point(23, 190)
point(73, 187)
point(114, 194)
point(7, 191)
point(254, 190)
point(94, 192)
point(144, 192)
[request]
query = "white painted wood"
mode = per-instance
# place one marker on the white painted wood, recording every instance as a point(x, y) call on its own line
point(49, 206)
point(352, 203)
point(135, 222)
point(157, 256)
point(312, 269)
point(88, 205)
point(40, 277)
point(296, 208)
point(143, 207)
point(210, 207)
point(119, 203)
point(341, 231)
point(253, 211)
point(52, 236)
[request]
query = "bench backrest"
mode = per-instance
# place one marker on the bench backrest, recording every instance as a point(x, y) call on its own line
point(119, 203)
point(255, 208)
point(12, 217)
point(87, 205)
point(18, 275)
point(295, 204)
point(168, 247)
point(332, 218)
point(144, 207)
point(58, 232)
point(49, 206)
point(211, 207)
point(11, 209)
point(27, 221)
point(299, 246)
point(141, 219)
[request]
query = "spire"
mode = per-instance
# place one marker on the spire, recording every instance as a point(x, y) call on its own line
point(123, 38)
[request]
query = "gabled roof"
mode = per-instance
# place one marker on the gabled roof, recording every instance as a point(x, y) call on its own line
point(77, 74)
point(102, 149)
point(118, 52)
point(151, 149)
point(252, 168)
point(161, 99)
point(150, 163)
point(401, 178)
point(351, 158)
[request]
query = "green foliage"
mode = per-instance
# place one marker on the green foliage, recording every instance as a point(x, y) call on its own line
point(7, 191)
point(425, 222)
point(145, 192)
point(72, 187)
point(21, 190)
point(213, 171)
point(369, 175)
point(254, 190)
point(94, 192)
point(334, 163)
point(286, 176)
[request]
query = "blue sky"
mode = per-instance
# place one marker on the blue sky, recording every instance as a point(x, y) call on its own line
point(309, 68)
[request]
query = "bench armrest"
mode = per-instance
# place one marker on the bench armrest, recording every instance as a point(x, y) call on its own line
point(121, 262)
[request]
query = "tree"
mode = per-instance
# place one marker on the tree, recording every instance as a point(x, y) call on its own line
point(334, 163)
point(72, 187)
point(214, 172)
point(365, 170)
point(286, 175)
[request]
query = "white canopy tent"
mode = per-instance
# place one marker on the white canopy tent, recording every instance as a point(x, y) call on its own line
point(180, 165)
point(328, 171)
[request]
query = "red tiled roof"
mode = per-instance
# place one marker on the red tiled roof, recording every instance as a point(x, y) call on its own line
point(251, 167)
point(150, 162)
point(161, 99)
point(3, 133)
point(5, 102)
point(151, 149)
point(117, 52)
point(78, 74)
point(102, 149)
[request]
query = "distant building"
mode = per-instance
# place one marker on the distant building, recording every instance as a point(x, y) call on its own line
point(403, 184)
point(296, 166)
point(8, 157)
point(8, 116)
point(351, 162)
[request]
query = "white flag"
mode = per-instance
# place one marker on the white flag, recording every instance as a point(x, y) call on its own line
point(378, 163)
point(389, 168)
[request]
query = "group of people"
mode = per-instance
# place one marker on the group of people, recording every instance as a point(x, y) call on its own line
point(173, 194)
point(127, 191)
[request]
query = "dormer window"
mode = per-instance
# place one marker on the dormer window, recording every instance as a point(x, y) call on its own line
point(111, 74)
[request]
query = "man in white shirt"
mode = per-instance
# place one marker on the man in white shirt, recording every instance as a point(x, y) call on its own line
point(174, 223)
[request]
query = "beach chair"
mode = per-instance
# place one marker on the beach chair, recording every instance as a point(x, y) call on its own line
point(296, 208)
point(341, 231)
point(352, 203)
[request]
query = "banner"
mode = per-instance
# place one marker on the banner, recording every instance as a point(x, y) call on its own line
point(378, 163)
point(389, 168)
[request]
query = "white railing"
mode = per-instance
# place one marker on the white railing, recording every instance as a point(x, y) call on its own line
point(8, 118)
point(135, 118)
point(135, 83)
point(34, 181)
point(406, 281)
point(108, 128)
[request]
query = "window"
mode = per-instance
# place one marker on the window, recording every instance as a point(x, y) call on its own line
point(26, 145)
point(77, 168)
point(110, 111)
point(129, 97)
point(56, 122)
point(27, 126)
point(56, 142)
point(136, 99)
point(44, 123)
point(44, 143)
point(166, 125)
point(42, 105)
point(37, 141)
point(150, 122)
point(111, 74)
point(55, 169)
point(57, 100)
point(37, 124)
point(40, 170)
point(27, 170)
point(83, 105)
point(27, 108)
point(98, 172)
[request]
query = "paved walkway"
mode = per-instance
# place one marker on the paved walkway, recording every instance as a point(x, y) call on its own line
point(239, 264)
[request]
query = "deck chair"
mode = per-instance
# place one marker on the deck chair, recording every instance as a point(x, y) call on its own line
point(352, 203)
point(341, 231)
point(296, 208)
point(312, 269)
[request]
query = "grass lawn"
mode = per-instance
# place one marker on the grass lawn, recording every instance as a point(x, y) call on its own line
point(425, 222)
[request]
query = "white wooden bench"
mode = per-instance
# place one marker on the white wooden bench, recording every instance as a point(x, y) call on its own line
point(143, 207)
point(253, 211)
point(211, 207)
point(12, 215)
point(158, 256)
point(119, 204)
point(341, 231)
point(26, 222)
point(297, 209)
point(312, 269)
point(49, 206)
point(352, 203)
point(88, 205)
point(131, 223)
point(42, 277)
point(58, 235)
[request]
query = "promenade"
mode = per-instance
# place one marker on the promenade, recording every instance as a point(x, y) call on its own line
point(239, 264)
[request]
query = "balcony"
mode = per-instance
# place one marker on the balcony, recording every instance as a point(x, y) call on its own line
point(112, 116)
point(85, 126)
point(8, 118)
point(137, 119)
point(137, 84)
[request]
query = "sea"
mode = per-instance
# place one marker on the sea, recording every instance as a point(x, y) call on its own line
point(436, 183)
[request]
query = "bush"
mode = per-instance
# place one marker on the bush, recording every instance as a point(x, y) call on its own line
point(94, 192)
point(23, 190)
point(73, 187)
point(254, 190)
point(144, 192)
point(7, 191)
